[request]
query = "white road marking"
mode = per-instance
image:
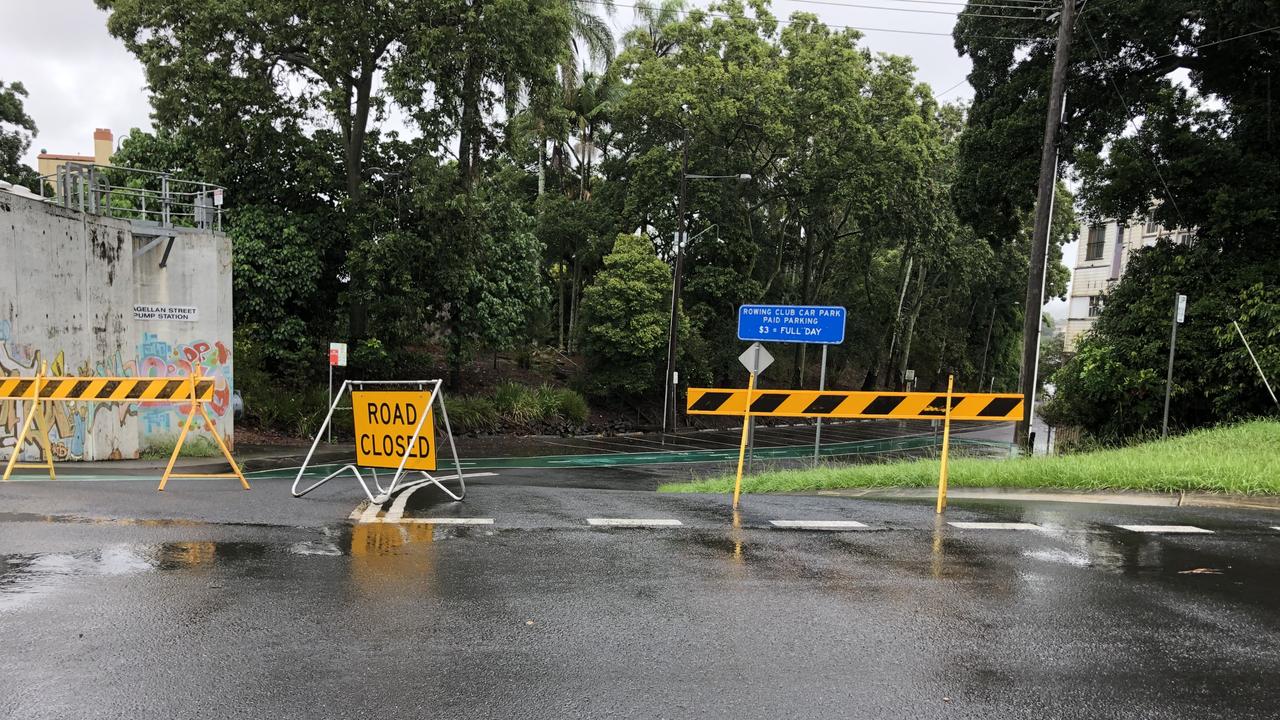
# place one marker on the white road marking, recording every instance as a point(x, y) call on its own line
point(1166, 529)
point(397, 507)
point(995, 526)
point(443, 521)
point(1275, 527)
point(818, 524)
point(370, 513)
point(634, 522)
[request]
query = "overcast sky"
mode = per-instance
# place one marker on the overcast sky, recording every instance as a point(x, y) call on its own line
point(80, 78)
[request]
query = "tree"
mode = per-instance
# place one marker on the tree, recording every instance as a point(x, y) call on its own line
point(1114, 385)
point(625, 311)
point(1168, 115)
point(16, 130)
point(251, 83)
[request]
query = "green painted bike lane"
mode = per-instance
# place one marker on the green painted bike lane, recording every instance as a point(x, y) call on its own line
point(670, 457)
point(597, 460)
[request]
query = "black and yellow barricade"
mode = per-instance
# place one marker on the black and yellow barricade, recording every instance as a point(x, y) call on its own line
point(994, 407)
point(395, 429)
point(193, 390)
point(948, 406)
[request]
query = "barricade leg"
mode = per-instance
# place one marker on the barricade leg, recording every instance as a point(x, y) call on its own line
point(946, 446)
point(226, 452)
point(22, 436)
point(177, 447)
point(26, 425)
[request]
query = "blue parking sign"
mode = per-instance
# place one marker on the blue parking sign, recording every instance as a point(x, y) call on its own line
point(820, 324)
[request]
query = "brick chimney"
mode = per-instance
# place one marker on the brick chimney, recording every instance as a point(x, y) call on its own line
point(103, 146)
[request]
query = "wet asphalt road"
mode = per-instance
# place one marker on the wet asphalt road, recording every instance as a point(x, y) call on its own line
point(211, 602)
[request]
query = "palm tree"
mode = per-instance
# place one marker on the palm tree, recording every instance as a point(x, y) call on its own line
point(589, 107)
point(652, 21)
point(592, 33)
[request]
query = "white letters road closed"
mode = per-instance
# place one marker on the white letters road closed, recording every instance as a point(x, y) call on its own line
point(183, 313)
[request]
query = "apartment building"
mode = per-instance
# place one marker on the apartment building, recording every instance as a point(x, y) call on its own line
point(1102, 253)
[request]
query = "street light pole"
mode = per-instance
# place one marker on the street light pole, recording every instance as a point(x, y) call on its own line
point(668, 386)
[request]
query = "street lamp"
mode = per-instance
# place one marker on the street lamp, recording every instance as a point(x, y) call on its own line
point(669, 384)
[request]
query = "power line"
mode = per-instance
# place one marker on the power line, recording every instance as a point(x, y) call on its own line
point(1129, 114)
point(1024, 4)
point(952, 13)
point(953, 87)
point(1219, 42)
point(831, 25)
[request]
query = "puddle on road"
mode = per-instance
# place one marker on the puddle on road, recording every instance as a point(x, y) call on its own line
point(24, 577)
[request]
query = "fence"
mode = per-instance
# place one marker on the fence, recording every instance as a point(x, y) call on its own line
point(143, 196)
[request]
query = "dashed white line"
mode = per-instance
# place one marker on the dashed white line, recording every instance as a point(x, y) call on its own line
point(995, 526)
point(634, 522)
point(1166, 529)
point(817, 524)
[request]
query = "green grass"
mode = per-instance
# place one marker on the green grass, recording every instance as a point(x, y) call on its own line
point(160, 447)
point(1243, 459)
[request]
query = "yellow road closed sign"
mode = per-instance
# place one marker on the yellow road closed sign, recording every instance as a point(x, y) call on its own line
point(385, 423)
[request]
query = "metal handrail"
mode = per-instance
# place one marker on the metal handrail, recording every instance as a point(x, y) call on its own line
point(88, 187)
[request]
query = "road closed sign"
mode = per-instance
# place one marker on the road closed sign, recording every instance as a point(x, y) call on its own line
point(385, 424)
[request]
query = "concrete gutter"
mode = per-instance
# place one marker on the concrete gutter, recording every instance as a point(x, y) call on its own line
point(1176, 499)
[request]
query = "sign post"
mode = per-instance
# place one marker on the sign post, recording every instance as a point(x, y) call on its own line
point(1179, 313)
point(822, 385)
point(755, 360)
point(337, 356)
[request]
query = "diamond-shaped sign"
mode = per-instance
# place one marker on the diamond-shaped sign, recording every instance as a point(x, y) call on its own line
point(756, 359)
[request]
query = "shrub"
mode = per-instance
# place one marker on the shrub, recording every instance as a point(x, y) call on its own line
point(468, 414)
point(571, 406)
point(516, 405)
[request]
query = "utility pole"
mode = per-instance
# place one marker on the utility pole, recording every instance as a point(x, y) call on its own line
point(1040, 232)
point(668, 386)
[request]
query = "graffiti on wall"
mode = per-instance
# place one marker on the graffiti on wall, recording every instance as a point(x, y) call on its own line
point(160, 359)
point(72, 423)
point(69, 423)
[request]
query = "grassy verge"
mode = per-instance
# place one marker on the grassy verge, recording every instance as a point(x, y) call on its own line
point(161, 447)
point(1242, 458)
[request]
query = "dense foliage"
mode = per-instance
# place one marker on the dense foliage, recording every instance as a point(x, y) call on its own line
point(1169, 115)
point(534, 198)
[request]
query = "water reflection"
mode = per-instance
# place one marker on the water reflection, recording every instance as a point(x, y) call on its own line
point(378, 553)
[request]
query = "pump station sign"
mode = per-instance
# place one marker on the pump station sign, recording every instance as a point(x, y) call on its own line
point(390, 426)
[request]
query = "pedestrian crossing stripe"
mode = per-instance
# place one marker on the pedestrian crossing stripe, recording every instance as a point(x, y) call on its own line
point(107, 389)
point(995, 407)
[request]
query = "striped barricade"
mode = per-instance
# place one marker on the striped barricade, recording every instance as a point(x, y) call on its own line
point(995, 407)
point(194, 389)
point(948, 406)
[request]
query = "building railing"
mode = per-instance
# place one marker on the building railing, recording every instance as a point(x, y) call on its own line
point(143, 196)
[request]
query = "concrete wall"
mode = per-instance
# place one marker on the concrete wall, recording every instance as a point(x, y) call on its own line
point(68, 286)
